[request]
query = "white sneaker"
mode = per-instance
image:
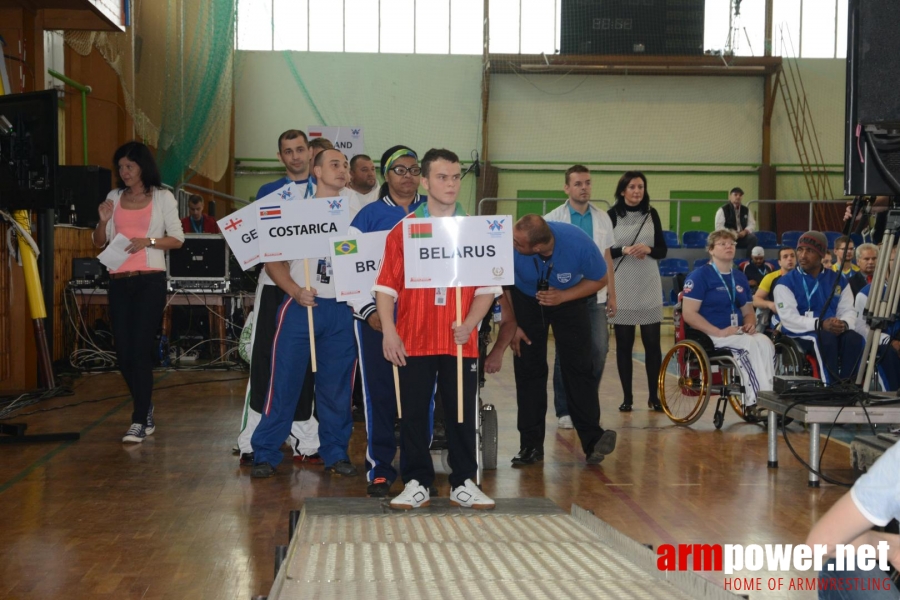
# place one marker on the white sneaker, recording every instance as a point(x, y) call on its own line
point(414, 495)
point(565, 422)
point(469, 496)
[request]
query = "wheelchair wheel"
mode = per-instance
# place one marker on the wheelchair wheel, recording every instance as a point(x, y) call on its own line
point(789, 360)
point(488, 437)
point(684, 382)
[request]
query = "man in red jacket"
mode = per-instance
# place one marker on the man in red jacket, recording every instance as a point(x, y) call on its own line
point(196, 221)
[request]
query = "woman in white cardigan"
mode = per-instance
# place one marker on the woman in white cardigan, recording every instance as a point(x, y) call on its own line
point(147, 214)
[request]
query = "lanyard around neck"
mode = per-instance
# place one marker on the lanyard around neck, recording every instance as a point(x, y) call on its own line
point(732, 291)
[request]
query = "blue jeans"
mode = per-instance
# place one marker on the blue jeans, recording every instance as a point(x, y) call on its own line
point(599, 349)
point(866, 580)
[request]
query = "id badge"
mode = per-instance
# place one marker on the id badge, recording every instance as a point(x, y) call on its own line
point(440, 296)
point(808, 313)
point(734, 321)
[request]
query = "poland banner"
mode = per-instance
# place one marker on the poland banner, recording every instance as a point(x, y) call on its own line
point(240, 231)
point(349, 140)
point(458, 251)
point(292, 229)
point(355, 260)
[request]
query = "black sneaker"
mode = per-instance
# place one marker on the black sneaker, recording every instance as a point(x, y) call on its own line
point(151, 426)
point(379, 488)
point(136, 434)
point(605, 445)
point(342, 467)
point(247, 459)
point(262, 470)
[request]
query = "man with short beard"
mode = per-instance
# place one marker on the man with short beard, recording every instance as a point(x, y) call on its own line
point(363, 185)
point(333, 322)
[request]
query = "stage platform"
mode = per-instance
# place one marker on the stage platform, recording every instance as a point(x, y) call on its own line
point(347, 548)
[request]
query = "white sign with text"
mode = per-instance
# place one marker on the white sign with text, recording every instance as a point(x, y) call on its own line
point(458, 251)
point(292, 229)
point(356, 260)
point(240, 231)
point(349, 140)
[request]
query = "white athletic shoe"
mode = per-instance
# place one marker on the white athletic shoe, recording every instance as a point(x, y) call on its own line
point(414, 495)
point(469, 496)
point(565, 422)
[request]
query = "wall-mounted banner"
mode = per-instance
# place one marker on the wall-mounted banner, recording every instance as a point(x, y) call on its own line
point(289, 230)
point(349, 140)
point(355, 260)
point(458, 251)
point(240, 231)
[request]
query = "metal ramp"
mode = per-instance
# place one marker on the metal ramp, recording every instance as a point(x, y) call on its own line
point(526, 548)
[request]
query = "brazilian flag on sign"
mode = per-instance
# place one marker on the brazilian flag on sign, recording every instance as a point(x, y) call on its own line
point(345, 247)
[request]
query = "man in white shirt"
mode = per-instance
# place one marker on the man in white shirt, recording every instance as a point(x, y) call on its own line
point(597, 225)
point(363, 184)
point(732, 215)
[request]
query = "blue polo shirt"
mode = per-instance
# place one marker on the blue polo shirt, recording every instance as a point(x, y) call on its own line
point(582, 221)
point(575, 257)
point(308, 184)
point(383, 214)
point(720, 296)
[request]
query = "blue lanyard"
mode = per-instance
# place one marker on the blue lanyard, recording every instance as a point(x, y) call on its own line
point(732, 291)
point(195, 227)
point(310, 192)
point(809, 294)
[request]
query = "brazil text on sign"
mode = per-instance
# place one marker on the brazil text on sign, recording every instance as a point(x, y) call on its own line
point(240, 231)
point(295, 229)
point(458, 251)
point(355, 260)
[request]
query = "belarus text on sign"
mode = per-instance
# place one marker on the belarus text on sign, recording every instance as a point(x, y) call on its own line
point(289, 230)
point(356, 260)
point(458, 251)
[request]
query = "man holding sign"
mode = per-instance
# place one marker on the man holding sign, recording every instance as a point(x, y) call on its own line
point(293, 153)
point(424, 343)
point(333, 331)
point(557, 268)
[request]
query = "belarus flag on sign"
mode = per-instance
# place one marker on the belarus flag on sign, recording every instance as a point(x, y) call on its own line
point(420, 230)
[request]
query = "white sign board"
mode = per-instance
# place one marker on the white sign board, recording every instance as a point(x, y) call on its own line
point(355, 260)
point(458, 251)
point(292, 229)
point(239, 229)
point(349, 140)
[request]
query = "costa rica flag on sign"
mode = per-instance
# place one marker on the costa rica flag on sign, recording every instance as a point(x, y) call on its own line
point(269, 212)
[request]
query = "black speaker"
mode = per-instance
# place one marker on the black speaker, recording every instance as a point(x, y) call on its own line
point(83, 187)
point(651, 27)
point(872, 128)
point(28, 150)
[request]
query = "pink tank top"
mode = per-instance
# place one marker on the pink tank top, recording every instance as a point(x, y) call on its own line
point(133, 224)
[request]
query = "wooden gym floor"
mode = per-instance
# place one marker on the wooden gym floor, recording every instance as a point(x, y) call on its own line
point(176, 517)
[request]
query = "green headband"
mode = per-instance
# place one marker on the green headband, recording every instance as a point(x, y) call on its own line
point(398, 154)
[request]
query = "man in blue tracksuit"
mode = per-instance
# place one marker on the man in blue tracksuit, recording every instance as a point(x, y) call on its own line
point(800, 297)
point(399, 196)
point(333, 322)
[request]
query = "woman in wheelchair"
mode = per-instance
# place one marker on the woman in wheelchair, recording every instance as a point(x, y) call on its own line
point(717, 302)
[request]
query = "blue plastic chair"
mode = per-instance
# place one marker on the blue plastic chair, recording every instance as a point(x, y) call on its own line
point(671, 239)
point(675, 265)
point(832, 236)
point(857, 239)
point(700, 262)
point(789, 239)
point(767, 239)
point(694, 239)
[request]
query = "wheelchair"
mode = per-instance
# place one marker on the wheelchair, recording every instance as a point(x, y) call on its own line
point(694, 369)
